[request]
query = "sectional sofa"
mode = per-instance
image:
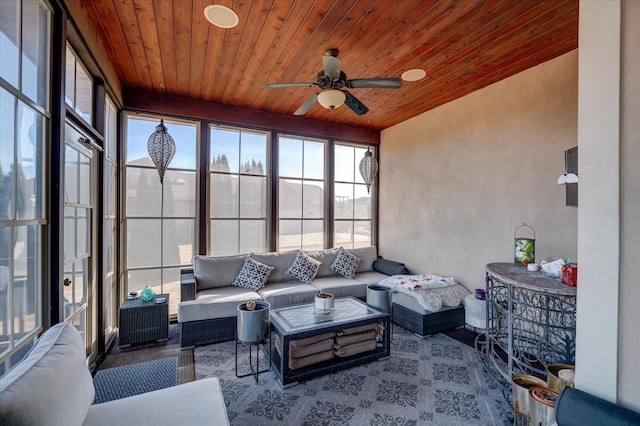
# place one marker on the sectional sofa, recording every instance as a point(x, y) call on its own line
point(208, 309)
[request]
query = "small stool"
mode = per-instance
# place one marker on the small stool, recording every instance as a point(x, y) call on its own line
point(475, 312)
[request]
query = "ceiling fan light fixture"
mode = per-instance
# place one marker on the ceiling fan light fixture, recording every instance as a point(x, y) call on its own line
point(332, 98)
point(221, 16)
point(413, 75)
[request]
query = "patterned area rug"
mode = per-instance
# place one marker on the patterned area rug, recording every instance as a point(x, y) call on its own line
point(121, 382)
point(436, 380)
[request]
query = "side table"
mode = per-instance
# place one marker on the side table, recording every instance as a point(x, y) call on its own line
point(475, 312)
point(143, 321)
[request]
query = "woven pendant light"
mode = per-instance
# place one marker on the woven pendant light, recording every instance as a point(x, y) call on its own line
point(368, 169)
point(161, 148)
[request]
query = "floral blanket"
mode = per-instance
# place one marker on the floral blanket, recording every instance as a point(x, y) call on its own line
point(432, 292)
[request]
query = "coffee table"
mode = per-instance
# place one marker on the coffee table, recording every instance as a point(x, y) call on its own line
point(301, 321)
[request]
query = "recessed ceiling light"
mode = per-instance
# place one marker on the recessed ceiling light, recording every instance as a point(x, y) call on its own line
point(221, 16)
point(413, 75)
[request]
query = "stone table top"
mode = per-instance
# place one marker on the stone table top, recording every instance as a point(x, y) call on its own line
point(520, 276)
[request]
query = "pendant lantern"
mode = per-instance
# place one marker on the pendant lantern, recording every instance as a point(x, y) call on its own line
point(161, 148)
point(368, 169)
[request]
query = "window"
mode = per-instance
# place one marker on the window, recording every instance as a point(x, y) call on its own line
point(301, 194)
point(160, 236)
point(238, 191)
point(109, 286)
point(352, 202)
point(78, 86)
point(24, 68)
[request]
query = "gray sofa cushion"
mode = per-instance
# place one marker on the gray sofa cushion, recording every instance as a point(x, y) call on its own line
point(341, 286)
point(215, 303)
point(326, 258)
point(279, 260)
point(287, 293)
point(51, 385)
point(368, 256)
point(371, 277)
point(216, 271)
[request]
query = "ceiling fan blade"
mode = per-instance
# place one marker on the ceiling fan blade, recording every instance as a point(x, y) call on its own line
point(355, 105)
point(279, 85)
point(306, 106)
point(375, 83)
point(331, 66)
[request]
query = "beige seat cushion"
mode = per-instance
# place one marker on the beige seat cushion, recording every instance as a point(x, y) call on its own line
point(295, 363)
point(287, 293)
point(358, 329)
point(356, 348)
point(312, 339)
point(215, 303)
point(349, 339)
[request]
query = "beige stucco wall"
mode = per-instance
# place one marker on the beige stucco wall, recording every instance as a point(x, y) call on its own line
point(629, 387)
point(599, 191)
point(455, 182)
point(608, 341)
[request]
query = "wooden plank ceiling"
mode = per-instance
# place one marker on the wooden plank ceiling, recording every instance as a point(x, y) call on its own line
point(463, 45)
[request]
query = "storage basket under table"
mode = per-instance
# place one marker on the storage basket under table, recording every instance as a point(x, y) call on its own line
point(144, 321)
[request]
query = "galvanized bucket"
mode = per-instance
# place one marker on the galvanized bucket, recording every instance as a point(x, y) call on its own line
point(525, 248)
point(379, 297)
point(521, 383)
point(253, 326)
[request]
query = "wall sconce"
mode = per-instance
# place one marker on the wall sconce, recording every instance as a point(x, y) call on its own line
point(567, 177)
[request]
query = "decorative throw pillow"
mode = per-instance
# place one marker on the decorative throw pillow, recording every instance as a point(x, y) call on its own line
point(253, 275)
point(304, 268)
point(345, 263)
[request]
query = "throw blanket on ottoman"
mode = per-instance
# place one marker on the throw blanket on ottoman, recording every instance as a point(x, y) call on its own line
point(431, 291)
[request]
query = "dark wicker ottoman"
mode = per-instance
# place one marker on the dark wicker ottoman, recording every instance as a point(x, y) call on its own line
point(424, 325)
point(143, 321)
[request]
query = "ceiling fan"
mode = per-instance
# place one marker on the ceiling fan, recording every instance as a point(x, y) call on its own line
point(332, 81)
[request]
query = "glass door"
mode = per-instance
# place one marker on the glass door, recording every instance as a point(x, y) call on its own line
point(79, 281)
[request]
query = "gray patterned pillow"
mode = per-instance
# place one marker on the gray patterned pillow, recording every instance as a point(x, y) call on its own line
point(304, 268)
point(345, 263)
point(253, 275)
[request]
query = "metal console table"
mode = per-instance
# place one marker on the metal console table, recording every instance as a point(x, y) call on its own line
point(531, 320)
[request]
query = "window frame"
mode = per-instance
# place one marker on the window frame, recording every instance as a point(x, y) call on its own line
point(125, 169)
point(42, 111)
point(326, 181)
point(373, 194)
point(268, 185)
